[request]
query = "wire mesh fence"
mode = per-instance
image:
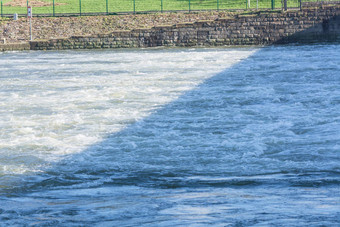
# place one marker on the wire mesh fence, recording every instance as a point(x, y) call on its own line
point(98, 7)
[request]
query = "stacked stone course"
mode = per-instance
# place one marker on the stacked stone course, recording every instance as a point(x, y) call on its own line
point(309, 25)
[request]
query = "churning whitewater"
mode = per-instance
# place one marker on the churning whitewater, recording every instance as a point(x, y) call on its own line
point(54, 104)
point(171, 137)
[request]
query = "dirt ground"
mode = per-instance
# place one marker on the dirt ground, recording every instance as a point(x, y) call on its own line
point(33, 3)
point(46, 28)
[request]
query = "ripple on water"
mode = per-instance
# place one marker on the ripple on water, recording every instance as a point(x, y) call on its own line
point(209, 136)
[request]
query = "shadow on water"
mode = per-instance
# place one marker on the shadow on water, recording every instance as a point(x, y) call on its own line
point(252, 119)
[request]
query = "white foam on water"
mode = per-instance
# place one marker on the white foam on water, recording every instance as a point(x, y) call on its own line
point(58, 103)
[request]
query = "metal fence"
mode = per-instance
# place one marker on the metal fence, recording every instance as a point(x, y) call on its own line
point(100, 7)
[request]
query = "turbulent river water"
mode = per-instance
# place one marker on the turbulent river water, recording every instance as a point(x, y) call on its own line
point(171, 137)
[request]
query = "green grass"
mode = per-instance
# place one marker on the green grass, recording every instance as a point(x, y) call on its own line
point(116, 6)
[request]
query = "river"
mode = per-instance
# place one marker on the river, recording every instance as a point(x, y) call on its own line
point(171, 137)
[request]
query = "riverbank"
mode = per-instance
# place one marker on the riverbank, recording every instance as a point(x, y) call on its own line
point(51, 28)
point(309, 25)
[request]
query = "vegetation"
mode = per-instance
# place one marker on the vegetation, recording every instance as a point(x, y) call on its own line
point(119, 6)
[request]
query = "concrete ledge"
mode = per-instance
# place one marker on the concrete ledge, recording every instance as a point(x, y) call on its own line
point(163, 27)
point(14, 47)
point(185, 25)
point(225, 19)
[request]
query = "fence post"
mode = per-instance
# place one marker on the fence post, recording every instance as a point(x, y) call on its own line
point(53, 9)
point(80, 7)
point(1, 9)
point(134, 6)
point(285, 5)
point(300, 4)
point(161, 6)
point(273, 4)
point(189, 6)
point(218, 5)
point(107, 7)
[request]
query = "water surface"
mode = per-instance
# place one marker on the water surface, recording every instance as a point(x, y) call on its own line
point(238, 137)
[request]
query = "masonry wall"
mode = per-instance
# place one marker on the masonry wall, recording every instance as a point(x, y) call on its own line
point(308, 25)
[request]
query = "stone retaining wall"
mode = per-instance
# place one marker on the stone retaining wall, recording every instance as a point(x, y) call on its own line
point(309, 25)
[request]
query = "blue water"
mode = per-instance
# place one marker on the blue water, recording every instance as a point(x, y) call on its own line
point(179, 137)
